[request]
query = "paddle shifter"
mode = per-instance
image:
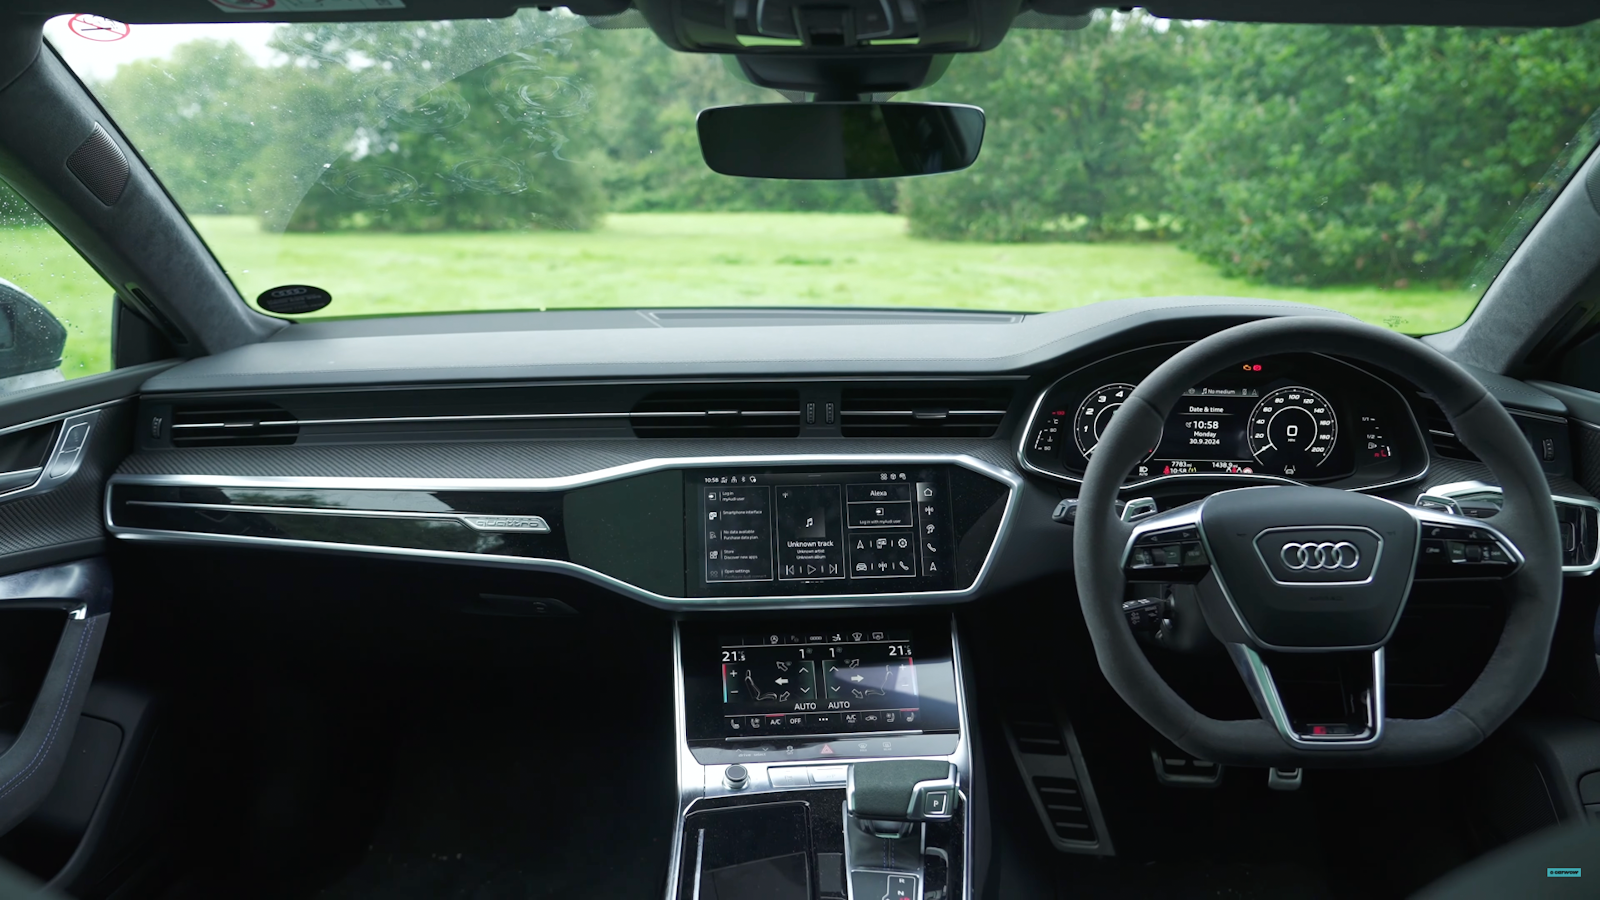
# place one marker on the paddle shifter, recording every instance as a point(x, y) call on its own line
point(886, 803)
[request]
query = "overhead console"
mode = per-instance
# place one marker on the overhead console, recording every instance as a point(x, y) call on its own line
point(752, 532)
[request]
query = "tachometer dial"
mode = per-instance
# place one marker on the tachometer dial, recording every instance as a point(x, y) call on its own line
point(1293, 430)
point(1095, 413)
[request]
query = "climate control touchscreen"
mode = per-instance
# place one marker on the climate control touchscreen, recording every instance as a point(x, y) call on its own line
point(843, 682)
point(848, 687)
point(813, 532)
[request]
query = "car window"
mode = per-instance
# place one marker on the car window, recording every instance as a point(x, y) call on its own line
point(55, 310)
point(537, 162)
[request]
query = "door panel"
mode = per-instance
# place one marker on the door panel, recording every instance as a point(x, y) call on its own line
point(50, 511)
point(56, 517)
point(38, 750)
point(58, 445)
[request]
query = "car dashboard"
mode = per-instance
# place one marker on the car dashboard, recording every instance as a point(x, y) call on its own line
point(809, 497)
point(923, 483)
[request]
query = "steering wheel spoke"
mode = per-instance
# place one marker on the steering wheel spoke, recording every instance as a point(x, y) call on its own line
point(1358, 723)
point(1167, 547)
point(1457, 548)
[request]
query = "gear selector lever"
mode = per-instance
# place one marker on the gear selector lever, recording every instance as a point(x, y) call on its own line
point(885, 798)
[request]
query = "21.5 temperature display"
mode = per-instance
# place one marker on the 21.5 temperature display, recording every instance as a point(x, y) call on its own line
point(845, 682)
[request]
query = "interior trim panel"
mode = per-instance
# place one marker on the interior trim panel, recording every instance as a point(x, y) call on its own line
point(624, 527)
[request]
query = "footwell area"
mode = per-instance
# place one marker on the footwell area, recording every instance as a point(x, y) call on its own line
point(330, 754)
point(483, 806)
point(467, 791)
point(1345, 835)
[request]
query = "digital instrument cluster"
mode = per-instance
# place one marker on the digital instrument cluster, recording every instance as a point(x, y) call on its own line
point(1299, 417)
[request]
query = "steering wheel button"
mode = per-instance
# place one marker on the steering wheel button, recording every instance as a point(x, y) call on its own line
point(1194, 555)
point(1457, 551)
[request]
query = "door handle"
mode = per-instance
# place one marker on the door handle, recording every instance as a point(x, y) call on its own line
point(21, 478)
point(65, 458)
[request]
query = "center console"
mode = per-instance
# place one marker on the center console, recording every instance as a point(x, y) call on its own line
point(821, 759)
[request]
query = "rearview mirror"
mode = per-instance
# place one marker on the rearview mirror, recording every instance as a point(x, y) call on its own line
point(840, 140)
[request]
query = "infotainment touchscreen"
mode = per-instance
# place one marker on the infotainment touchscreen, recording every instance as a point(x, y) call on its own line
point(875, 531)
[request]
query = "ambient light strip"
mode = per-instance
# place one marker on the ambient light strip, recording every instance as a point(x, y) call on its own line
point(477, 522)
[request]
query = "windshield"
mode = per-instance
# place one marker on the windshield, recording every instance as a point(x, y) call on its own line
point(537, 162)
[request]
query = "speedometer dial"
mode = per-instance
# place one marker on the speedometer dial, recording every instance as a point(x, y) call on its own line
point(1095, 413)
point(1293, 430)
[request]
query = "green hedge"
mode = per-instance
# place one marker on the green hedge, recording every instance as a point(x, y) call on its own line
point(1289, 154)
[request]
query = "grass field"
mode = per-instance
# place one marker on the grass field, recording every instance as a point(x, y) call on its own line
point(725, 259)
point(688, 259)
point(40, 262)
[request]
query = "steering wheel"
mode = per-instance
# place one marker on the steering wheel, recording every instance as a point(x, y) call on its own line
point(1295, 569)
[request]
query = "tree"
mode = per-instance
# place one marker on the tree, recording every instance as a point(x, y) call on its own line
point(1065, 154)
point(644, 138)
point(486, 149)
point(1313, 155)
point(196, 118)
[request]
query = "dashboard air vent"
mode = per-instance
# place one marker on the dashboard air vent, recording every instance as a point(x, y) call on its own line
point(235, 425)
point(723, 414)
point(933, 411)
point(1443, 434)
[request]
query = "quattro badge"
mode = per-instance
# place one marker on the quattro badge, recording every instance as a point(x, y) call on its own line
point(523, 524)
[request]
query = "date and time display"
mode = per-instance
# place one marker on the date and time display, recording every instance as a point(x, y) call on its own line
point(1247, 423)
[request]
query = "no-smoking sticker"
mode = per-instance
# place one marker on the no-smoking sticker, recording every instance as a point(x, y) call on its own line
point(98, 28)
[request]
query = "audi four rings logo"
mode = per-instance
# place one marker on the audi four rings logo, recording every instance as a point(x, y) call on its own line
point(1312, 555)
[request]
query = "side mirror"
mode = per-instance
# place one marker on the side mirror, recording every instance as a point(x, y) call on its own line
point(840, 140)
point(31, 340)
